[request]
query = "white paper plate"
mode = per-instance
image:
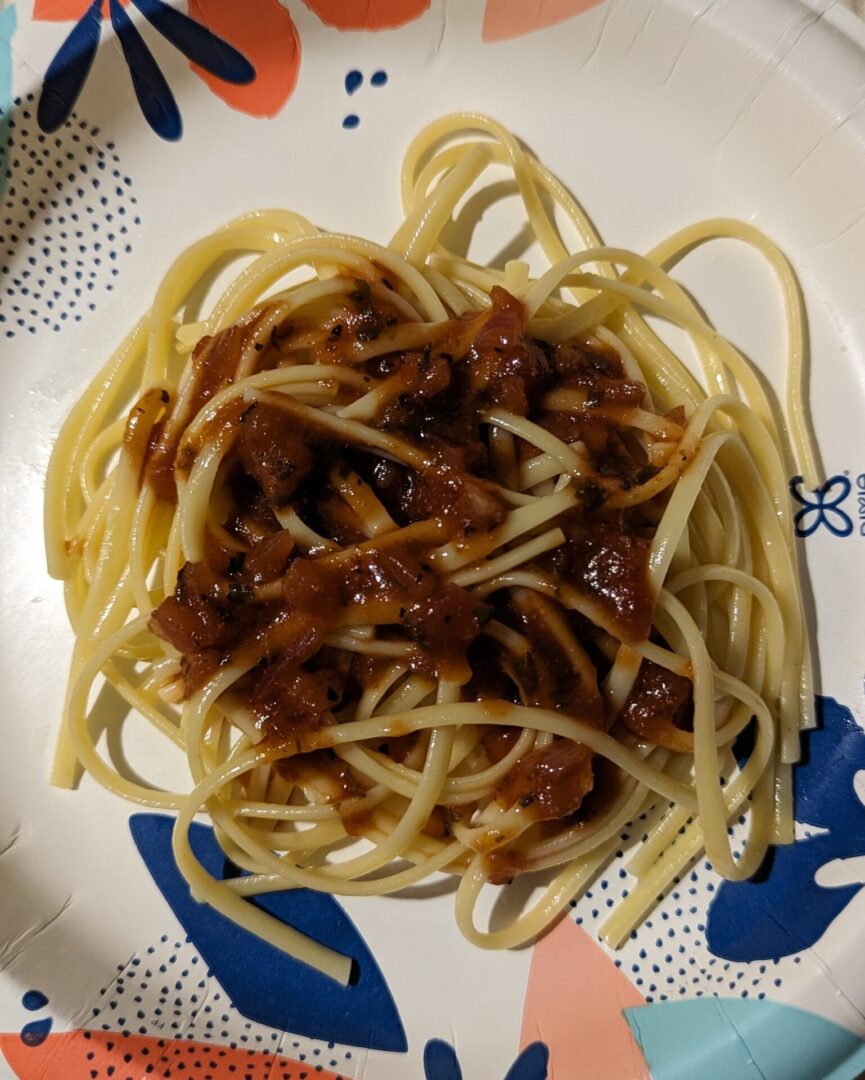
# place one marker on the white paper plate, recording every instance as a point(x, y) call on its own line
point(655, 115)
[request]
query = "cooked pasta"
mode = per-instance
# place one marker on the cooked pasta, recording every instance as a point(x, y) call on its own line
point(433, 567)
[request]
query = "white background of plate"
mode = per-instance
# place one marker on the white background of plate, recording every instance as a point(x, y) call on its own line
point(655, 114)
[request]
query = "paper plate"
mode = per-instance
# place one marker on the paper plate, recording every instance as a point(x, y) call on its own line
point(655, 114)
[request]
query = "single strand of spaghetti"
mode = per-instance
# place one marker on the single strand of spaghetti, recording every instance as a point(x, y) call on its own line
point(415, 237)
point(619, 681)
point(509, 560)
point(537, 436)
point(94, 458)
point(207, 889)
point(783, 817)
point(456, 554)
point(665, 658)
point(307, 811)
point(139, 535)
point(317, 838)
point(363, 501)
point(633, 371)
point(341, 640)
point(307, 539)
point(193, 508)
point(506, 636)
point(679, 506)
point(413, 691)
point(374, 694)
point(544, 467)
point(503, 456)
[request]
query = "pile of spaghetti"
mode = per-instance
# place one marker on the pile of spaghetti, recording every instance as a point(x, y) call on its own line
point(429, 567)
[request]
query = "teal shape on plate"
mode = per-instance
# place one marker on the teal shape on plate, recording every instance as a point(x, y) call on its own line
point(743, 1039)
point(8, 23)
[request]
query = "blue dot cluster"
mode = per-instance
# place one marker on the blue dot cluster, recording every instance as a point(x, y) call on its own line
point(67, 219)
point(167, 992)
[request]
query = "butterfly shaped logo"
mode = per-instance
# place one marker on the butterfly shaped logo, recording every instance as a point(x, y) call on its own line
point(786, 909)
point(822, 507)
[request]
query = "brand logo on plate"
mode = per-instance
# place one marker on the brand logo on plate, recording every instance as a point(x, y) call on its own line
point(823, 506)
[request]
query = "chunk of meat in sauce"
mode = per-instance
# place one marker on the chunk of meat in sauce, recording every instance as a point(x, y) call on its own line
point(660, 707)
point(206, 622)
point(287, 698)
point(608, 564)
point(467, 503)
point(551, 782)
point(275, 451)
point(504, 366)
point(214, 365)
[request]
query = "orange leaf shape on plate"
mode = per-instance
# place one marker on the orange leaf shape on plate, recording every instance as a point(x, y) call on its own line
point(574, 1002)
point(65, 10)
point(367, 14)
point(265, 33)
point(65, 1057)
point(505, 19)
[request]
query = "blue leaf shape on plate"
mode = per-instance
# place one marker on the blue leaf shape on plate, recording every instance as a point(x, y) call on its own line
point(36, 1032)
point(69, 69)
point(440, 1061)
point(153, 93)
point(263, 983)
point(743, 1039)
point(531, 1064)
point(784, 910)
point(197, 43)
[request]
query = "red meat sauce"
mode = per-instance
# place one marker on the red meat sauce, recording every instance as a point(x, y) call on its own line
point(258, 600)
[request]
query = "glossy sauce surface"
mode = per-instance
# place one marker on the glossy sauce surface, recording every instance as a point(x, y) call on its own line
point(272, 603)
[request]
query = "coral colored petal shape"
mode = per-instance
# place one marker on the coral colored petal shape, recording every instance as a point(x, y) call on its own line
point(367, 14)
point(59, 10)
point(80, 1055)
point(574, 1003)
point(505, 19)
point(266, 35)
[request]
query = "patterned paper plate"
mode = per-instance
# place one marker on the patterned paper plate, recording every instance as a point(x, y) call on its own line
point(116, 150)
